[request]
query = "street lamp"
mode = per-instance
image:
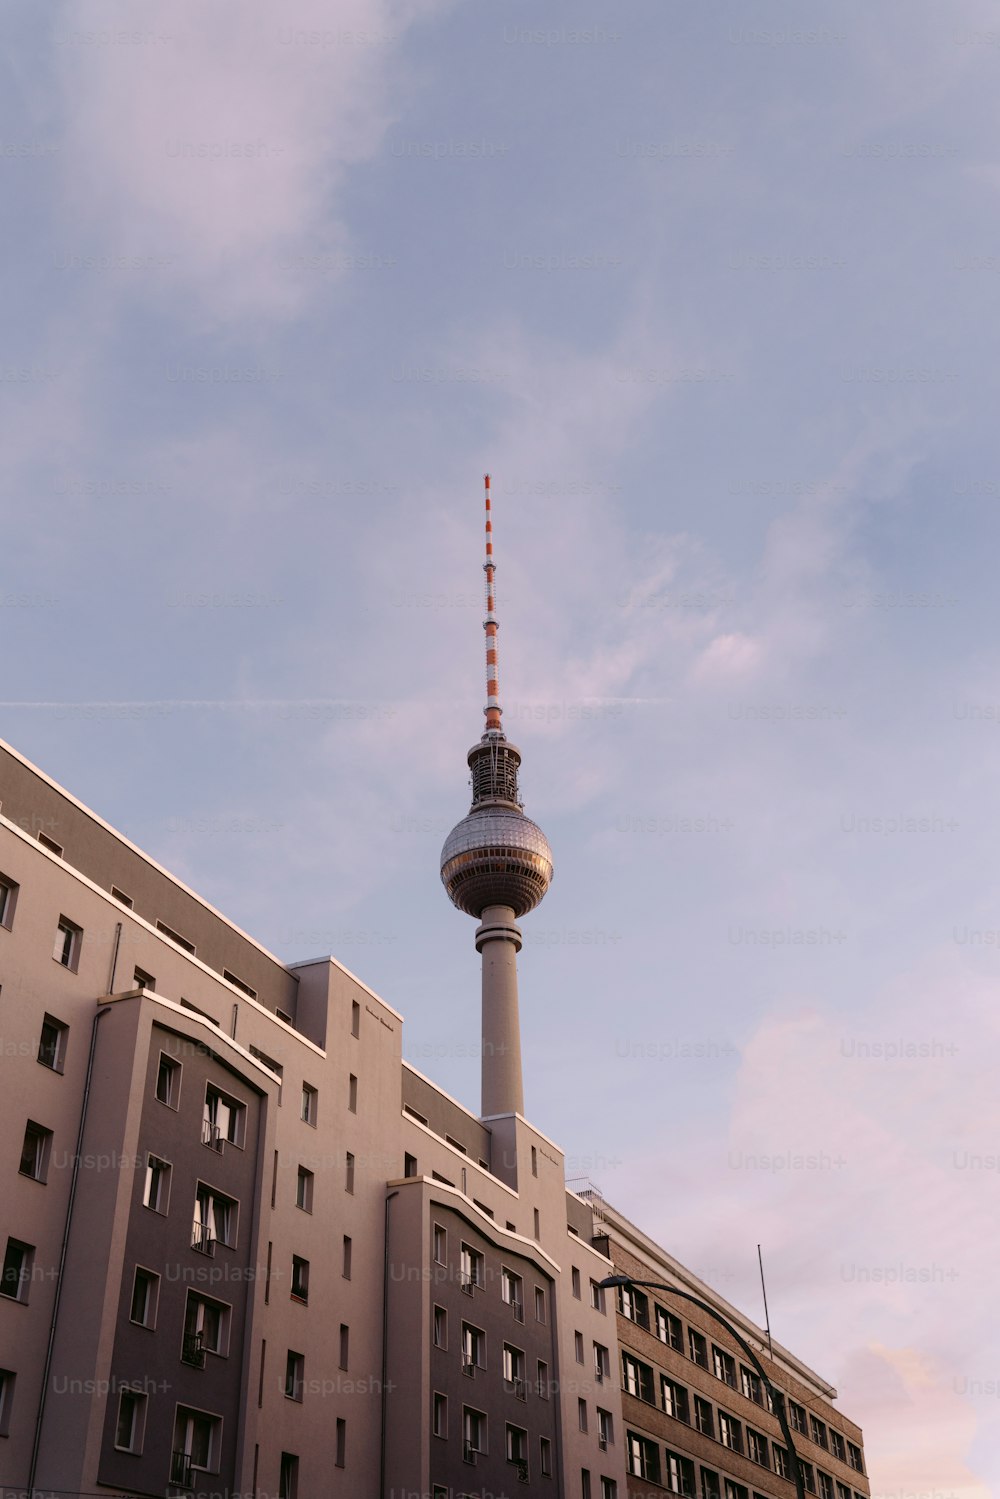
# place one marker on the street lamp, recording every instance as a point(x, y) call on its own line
point(777, 1397)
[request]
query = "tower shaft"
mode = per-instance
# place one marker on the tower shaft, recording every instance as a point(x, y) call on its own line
point(498, 940)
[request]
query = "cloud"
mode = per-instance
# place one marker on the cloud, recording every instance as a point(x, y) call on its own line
point(222, 140)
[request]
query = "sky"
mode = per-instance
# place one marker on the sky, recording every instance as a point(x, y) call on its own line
point(711, 291)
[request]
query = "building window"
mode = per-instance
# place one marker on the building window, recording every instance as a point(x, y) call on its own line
point(542, 1381)
point(238, 983)
point(537, 1222)
point(352, 1093)
point(825, 1485)
point(145, 1295)
point(609, 1488)
point(796, 1417)
point(602, 1363)
point(581, 1413)
point(156, 1188)
point(674, 1399)
point(473, 1433)
point(440, 1245)
point(8, 900)
point(440, 1327)
point(168, 931)
point(637, 1378)
point(735, 1490)
point(578, 1347)
point(304, 1190)
point(168, 1081)
point(409, 1164)
point(472, 1273)
point(781, 1460)
point(545, 1457)
point(35, 1150)
point(539, 1304)
point(52, 1043)
point(575, 1277)
point(197, 1445)
point(288, 1476)
point(440, 1417)
point(808, 1476)
point(51, 844)
point(678, 1475)
point(206, 1329)
point(605, 1429)
point(17, 1264)
point(310, 1104)
point(703, 1418)
point(214, 1218)
point(346, 1266)
point(837, 1445)
point(635, 1306)
point(223, 1119)
point(143, 980)
point(345, 1345)
point(854, 1457)
point(669, 1329)
point(340, 1461)
point(515, 1370)
point(349, 1172)
point(596, 1296)
point(512, 1292)
point(66, 948)
point(817, 1432)
point(710, 1485)
point(697, 1348)
point(643, 1457)
point(757, 1447)
point(131, 1420)
point(584, 1483)
point(517, 1447)
point(730, 1432)
point(723, 1366)
point(295, 1369)
point(300, 1278)
point(255, 1051)
point(122, 898)
point(8, 1379)
point(534, 1161)
point(355, 1018)
point(751, 1385)
point(473, 1347)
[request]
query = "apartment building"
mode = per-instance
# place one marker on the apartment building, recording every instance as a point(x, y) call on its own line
point(247, 1248)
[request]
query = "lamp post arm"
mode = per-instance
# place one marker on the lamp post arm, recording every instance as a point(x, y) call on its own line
point(776, 1396)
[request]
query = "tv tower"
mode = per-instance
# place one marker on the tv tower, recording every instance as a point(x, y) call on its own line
point(496, 864)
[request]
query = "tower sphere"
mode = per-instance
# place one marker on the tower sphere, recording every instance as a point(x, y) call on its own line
point(496, 857)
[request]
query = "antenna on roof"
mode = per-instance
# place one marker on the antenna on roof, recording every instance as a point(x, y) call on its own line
point(767, 1320)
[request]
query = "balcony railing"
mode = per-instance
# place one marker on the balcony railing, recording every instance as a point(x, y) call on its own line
point(192, 1352)
point(202, 1238)
point(469, 1453)
point(211, 1135)
point(180, 1470)
point(518, 1311)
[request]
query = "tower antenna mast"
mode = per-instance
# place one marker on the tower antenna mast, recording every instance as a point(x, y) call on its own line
point(492, 710)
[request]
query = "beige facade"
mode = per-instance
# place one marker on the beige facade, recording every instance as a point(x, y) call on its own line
point(249, 1250)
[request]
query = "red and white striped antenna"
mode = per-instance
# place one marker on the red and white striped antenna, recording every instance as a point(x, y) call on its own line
point(492, 709)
